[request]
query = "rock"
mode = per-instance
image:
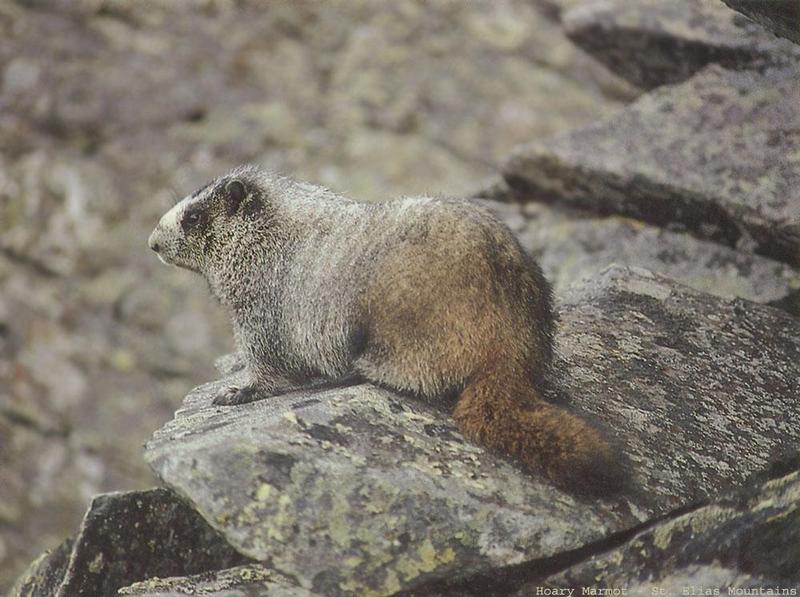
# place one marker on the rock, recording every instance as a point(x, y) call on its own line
point(652, 43)
point(376, 82)
point(127, 537)
point(743, 540)
point(44, 493)
point(790, 303)
point(44, 575)
point(746, 539)
point(571, 246)
point(355, 489)
point(494, 188)
point(717, 155)
point(242, 581)
point(709, 578)
point(709, 384)
point(780, 16)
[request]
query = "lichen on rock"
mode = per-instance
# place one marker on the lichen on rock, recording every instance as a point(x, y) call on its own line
point(745, 539)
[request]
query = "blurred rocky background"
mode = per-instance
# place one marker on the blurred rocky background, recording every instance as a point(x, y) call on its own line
point(112, 109)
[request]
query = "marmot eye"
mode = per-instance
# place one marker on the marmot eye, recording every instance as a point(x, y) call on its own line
point(192, 219)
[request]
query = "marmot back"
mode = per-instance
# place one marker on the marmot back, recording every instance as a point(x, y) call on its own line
point(429, 296)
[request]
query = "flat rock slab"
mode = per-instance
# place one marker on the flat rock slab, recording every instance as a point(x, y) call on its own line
point(704, 390)
point(718, 155)
point(779, 16)
point(746, 539)
point(571, 246)
point(242, 581)
point(126, 537)
point(357, 490)
point(652, 42)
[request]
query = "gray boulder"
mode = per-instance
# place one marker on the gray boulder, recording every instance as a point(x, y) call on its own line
point(747, 539)
point(715, 155)
point(572, 246)
point(652, 42)
point(780, 16)
point(126, 537)
point(356, 489)
point(703, 390)
point(742, 540)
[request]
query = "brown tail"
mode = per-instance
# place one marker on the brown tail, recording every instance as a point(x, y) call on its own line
point(513, 419)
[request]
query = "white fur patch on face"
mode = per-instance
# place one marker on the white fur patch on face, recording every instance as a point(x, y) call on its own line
point(168, 238)
point(170, 221)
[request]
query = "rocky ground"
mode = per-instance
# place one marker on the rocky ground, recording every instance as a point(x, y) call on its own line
point(686, 350)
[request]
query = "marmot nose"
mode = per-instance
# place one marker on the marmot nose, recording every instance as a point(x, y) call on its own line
point(153, 242)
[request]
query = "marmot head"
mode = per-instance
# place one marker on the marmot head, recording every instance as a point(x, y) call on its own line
point(197, 230)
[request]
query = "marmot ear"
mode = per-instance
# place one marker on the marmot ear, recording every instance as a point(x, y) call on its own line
point(235, 192)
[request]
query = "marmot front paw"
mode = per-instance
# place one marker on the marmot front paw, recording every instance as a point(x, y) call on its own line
point(234, 395)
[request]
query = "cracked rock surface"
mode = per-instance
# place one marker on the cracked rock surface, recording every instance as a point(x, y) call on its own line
point(746, 539)
point(652, 43)
point(716, 155)
point(705, 389)
point(355, 489)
